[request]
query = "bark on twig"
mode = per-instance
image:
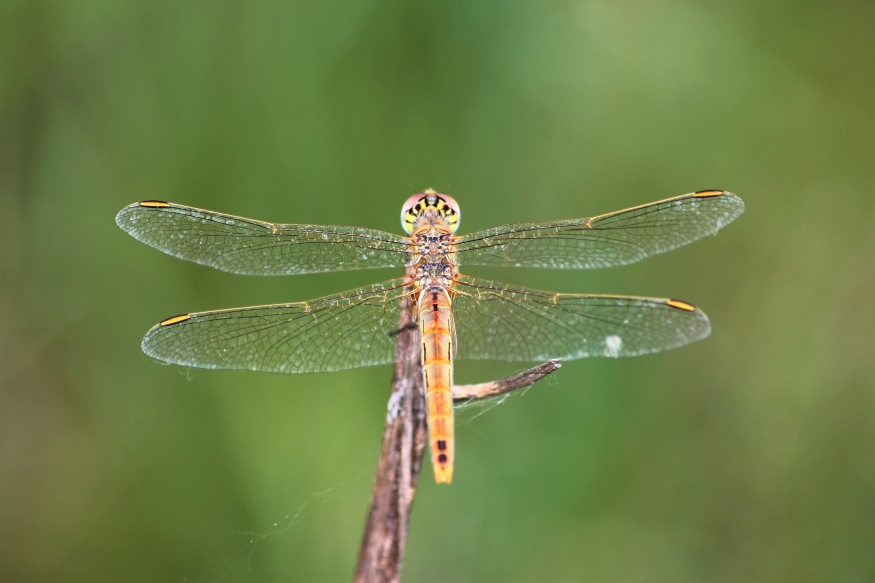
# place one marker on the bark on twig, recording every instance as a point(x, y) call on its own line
point(462, 393)
point(404, 439)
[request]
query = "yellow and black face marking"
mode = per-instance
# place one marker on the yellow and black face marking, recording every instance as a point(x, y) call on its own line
point(430, 201)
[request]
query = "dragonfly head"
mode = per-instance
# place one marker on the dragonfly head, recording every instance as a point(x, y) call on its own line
point(430, 203)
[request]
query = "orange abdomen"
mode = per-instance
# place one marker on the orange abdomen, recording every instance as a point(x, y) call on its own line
point(436, 331)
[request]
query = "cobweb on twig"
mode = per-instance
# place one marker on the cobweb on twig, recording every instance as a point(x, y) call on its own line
point(241, 554)
point(467, 411)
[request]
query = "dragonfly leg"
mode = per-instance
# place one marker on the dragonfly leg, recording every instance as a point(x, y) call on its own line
point(405, 328)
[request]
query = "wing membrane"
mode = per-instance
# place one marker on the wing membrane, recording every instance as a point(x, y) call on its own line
point(337, 332)
point(497, 321)
point(616, 238)
point(251, 247)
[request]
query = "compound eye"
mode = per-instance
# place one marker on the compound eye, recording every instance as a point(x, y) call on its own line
point(451, 212)
point(441, 205)
point(411, 211)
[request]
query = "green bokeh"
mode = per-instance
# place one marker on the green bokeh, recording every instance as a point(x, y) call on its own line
point(747, 457)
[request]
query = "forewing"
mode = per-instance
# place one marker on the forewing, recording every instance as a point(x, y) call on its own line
point(498, 321)
point(337, 332)
point(616, 238)
point(251, 247)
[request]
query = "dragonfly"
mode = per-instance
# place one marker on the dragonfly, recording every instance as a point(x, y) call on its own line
point(458, 316)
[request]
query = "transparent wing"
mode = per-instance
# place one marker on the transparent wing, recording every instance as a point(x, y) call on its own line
point(497, 321)
point(341, 331)
point(251, 247)
point(616, 238)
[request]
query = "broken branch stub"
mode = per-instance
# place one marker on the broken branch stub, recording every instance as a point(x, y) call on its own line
point(462, 393)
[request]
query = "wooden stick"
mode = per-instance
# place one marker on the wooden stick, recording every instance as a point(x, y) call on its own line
point(404, 439)
point(463, 393)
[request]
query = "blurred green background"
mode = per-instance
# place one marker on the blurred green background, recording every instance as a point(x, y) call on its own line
point(747, 457)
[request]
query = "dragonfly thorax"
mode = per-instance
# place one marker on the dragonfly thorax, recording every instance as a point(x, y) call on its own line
point(433, 261)
point(433, 242)
point(431, 274)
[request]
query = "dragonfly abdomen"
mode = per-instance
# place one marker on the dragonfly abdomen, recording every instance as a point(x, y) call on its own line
point(435, 326)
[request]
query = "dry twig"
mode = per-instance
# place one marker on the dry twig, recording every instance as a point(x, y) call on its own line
point(404, 439)
point(462, 393)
